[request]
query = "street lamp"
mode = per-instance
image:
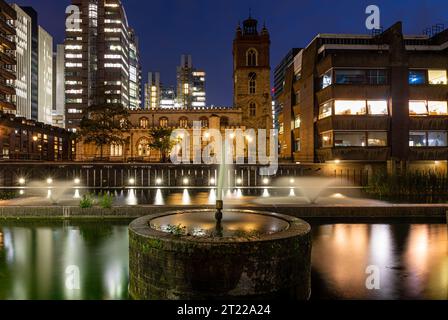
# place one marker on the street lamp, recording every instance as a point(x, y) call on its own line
point(49, 181)
point(22, 181)
point(132, 181)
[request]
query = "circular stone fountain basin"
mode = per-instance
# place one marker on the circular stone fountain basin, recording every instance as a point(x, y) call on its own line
point(260, 256)
point(234, 224)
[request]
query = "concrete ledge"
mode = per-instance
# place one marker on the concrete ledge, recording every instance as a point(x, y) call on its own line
point(438, 211)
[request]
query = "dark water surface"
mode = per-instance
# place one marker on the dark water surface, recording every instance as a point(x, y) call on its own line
point(44, 260)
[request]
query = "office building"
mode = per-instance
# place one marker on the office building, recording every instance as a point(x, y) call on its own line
point(23, 69)
point(135, 73)
point(190, 85)
point(371, 98)
point(153, 91)
point(45, 92)
point(279, 82)
point(59, 87)
point(98, 52)
point(34, 61)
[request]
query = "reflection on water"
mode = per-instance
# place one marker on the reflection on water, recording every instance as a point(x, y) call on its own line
point(34, 261)
point(413, 260)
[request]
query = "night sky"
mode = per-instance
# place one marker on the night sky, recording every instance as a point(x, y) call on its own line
point(205, 29)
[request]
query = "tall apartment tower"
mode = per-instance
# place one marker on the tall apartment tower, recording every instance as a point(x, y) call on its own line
point(23, 26)
point(34, 62)
point(45, 76)
point(251, 75)
point(190, 85)
point(98, 63)
point(7, 58)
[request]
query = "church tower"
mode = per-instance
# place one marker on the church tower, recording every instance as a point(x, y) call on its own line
point(251, 75)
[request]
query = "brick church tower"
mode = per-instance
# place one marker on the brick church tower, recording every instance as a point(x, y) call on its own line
point(251, 75)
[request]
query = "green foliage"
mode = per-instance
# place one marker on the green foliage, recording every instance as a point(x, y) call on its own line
point(105, 125)
point(411, 184)
point(8, 195)
point(177, 231)
point(106, 201)
point(161, 141)
point(86, 202)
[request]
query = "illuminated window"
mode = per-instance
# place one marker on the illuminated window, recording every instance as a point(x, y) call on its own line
point(437, 108)
point(144, 123)
point(252, 58)
point(417, 76)
point(143, 149)
point(350, 107)
point(437, 139)
point(377, 139)
point(252, 83)
point(183, 122)
point(350, 139)
point(116, 150)
point(281, 128)
point(417, 139)
point(297, 122)
point(428, 139)
point(326, 139)
point(325, 110)
point(252, 109)
point(437, 77)
point(163, 122)
point(350, 76)
point(377, 107)
point(418, 108)
point(327, 79)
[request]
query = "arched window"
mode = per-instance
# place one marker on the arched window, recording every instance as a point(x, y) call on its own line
point(163, 122)
point(144, 123)
point(252, 83)
point(252, 58)
point(252, 109)
point(183, 122)
point(116, 150)
point(204, 122)
point(143, 149)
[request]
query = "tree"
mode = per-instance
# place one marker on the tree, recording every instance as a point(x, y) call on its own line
point(161, 141)
point(105, 125)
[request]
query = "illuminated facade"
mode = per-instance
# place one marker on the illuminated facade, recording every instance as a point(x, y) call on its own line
point(190, 85)
point(101, 60)
point(23, 26)
point(367, 98)
point(153, 91)
point(135, 73)
point(7, 58)
point(252, 74)
point(45, 93)
point(59, 87)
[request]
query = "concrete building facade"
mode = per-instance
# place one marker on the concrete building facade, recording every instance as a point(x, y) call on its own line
point(368, 98)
